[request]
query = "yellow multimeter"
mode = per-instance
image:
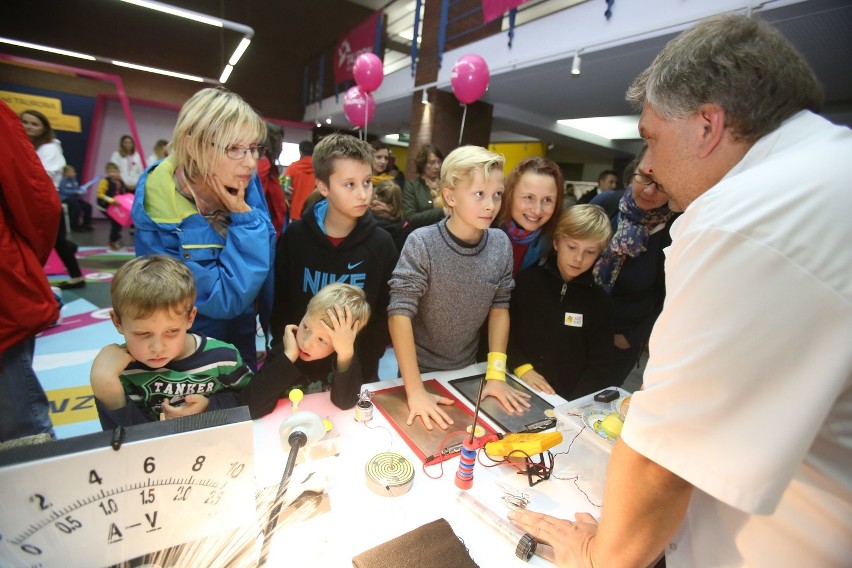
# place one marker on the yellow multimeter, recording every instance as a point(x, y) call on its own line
point(516, 445)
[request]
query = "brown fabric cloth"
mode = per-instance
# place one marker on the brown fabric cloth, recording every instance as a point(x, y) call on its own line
point(426, 546)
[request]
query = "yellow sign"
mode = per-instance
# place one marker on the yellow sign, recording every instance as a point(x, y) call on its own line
point(72, 405)
point(48, 106)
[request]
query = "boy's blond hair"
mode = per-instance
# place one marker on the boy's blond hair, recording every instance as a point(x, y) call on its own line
point(343, 295)
point(68, 168)
point(111, 166)
point(584, 222)
point(213, 117)
point(148, 284)
point(335, 147)
point(463, 162)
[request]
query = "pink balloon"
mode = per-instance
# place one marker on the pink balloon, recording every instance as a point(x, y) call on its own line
point(368, 72)
point(469, 78)
point(355, 102)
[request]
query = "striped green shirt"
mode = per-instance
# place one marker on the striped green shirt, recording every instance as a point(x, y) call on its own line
point(215, 368)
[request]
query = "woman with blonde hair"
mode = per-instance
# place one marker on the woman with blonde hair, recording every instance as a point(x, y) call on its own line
point(204, 205)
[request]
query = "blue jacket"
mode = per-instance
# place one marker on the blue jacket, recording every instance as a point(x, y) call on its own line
point(231, 274)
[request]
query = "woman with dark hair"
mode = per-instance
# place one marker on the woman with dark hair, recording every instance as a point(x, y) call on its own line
point(49, 150)
point(631, 268)
point(530, 209)
point(129, 162)
point(381, 161)
point(267, 170)
point(421, 198)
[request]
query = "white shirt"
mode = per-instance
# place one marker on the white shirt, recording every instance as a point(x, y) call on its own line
point(748, 392)
point(53, 160)
point(129, 166)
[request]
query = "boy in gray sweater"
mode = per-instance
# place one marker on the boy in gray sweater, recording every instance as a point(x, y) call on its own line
point(450, 277)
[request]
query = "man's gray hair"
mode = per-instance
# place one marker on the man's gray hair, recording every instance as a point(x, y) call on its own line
point(742, 64)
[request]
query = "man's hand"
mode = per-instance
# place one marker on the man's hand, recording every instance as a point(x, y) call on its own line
point(425, 405)
point(537, 382)
point(620, 341)
point(193, 404)
point(291, 348)
point(567, 544)
point(512, 400)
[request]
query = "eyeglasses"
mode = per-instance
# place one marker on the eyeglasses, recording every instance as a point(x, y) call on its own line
point(642, 179)
point(239, 152)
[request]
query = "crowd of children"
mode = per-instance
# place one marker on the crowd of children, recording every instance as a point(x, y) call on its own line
point(347, 283)
point(344, 289)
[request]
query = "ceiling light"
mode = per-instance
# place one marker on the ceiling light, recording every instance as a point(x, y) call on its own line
point(392, 136)
point(241, 48)
point(425, 98)
point(226, 72)
point(575, 64)
point(46, 48)
point(158, 71)
point(328, 120)
point(610, 127)
point(179, 12)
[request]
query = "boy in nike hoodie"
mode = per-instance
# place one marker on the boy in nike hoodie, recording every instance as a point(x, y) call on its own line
point(337, 240)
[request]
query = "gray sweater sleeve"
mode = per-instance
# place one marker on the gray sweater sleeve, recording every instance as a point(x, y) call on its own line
point(503, 295)
point(410, 278)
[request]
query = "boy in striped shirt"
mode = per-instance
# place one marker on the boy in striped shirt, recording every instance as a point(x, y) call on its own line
point(161, 371)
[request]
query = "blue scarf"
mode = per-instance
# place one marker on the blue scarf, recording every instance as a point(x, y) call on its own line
point(520, 236)
point(630, 238)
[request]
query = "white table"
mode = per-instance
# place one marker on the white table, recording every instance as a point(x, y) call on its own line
point(360, 519)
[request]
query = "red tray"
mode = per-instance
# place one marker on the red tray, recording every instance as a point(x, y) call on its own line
point(391, 402)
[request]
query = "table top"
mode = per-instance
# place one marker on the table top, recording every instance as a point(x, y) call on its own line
point(360, 519)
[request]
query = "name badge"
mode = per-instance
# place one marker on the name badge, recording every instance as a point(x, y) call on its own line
point(574, 320)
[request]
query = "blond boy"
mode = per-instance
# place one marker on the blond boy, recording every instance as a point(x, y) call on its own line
point(452, 277)
point(331, 323)
point(561, 320)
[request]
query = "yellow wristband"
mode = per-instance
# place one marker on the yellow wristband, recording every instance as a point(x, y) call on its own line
point(523, 369)
point(496, 369)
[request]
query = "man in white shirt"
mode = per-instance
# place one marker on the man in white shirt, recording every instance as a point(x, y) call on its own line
point(738, 451)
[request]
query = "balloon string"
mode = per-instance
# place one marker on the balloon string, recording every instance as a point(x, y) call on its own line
point(366, 109)
point(461, 132)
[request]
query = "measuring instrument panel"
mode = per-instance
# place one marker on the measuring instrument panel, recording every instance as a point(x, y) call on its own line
point(106, 498)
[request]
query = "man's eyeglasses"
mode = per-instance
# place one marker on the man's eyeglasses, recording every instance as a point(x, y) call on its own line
point(642, 179)
point(239, 152)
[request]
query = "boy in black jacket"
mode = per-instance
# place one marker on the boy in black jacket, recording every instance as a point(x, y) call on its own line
point(561, 335)
point(332, 320)
point(337, 240)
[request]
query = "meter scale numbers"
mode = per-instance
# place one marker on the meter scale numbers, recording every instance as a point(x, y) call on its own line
point(82, 517)
point(212, 493)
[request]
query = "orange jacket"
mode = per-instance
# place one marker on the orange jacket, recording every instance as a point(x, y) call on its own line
point(302, 180)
